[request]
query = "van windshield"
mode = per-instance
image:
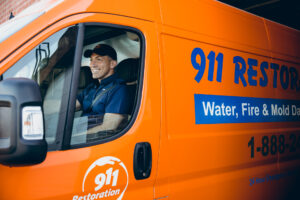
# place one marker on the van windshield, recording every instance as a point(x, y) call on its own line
point(12, 26)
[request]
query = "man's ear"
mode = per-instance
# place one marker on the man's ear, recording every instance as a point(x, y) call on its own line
point(113, 64)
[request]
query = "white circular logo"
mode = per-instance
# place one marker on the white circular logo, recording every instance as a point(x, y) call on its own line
point(106, 178)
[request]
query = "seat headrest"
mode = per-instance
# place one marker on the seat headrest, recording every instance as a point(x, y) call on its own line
point(128, 69)
point(86, 77)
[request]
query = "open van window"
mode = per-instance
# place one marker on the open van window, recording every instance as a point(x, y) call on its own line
point(51, 64)
point(106, 103)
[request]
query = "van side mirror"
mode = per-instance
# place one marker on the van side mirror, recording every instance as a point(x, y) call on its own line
point(22, 139)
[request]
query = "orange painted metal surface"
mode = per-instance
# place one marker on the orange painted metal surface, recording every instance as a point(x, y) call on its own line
point(214, 161)
point(190, 160)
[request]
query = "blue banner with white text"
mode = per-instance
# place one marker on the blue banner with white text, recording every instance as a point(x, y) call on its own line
point(216, 109)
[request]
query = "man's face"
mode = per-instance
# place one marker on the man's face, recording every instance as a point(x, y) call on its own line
point(101, 66)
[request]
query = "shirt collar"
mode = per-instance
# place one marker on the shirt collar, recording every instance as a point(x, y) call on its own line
point(108, 80)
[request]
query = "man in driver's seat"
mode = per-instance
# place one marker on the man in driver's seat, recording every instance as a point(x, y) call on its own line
point(109, 97)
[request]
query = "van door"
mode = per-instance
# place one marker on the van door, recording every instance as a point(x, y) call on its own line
point(80, 164)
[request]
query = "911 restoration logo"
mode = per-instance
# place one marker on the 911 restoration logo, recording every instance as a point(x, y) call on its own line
point(106, 178)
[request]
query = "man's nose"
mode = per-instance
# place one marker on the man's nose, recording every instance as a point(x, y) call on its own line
point(92, 65)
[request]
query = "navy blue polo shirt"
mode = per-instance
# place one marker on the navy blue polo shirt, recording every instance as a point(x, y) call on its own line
point(114, 98)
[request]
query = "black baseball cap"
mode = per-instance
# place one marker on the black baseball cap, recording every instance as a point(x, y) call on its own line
point(102, 50)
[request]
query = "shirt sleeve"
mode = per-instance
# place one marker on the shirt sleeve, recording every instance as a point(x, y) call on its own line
point(83, 93)
point(119, 101)
point(80, 97)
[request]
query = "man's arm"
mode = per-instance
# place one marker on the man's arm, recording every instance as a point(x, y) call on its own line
point(111, 121)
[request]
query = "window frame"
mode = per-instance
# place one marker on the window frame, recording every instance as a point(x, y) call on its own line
point(66, 140)
point(62, 115)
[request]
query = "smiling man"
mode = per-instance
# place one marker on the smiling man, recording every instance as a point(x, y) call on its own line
point(106, 103)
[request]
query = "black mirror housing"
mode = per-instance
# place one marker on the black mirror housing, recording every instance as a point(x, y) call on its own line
point(15, 149)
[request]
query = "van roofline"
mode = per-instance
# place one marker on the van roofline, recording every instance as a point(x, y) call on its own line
point(56, 11)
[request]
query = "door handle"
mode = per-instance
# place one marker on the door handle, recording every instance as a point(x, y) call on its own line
point(142, 160)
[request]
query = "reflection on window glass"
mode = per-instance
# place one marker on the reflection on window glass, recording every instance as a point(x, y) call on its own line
point(108, 83)
point(49, 64)
point(14, 25)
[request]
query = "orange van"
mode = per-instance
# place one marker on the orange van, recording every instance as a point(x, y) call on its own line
point(214, 103)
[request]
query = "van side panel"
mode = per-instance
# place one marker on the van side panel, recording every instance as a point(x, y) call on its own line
point(284, 42)
point(230, 116)
point(217, 20)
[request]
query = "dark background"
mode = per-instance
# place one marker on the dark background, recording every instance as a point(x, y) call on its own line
point(285, 12)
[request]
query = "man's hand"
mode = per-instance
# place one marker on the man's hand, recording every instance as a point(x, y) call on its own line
point(78, 106)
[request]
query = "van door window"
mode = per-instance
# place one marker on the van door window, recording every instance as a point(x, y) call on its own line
point(109, 79)
point(50, 65)
point(108, 83)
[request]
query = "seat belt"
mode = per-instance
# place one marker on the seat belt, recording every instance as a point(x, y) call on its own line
point(100, 94)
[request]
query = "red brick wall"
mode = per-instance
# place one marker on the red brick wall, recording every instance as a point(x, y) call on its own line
point(15, 6)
